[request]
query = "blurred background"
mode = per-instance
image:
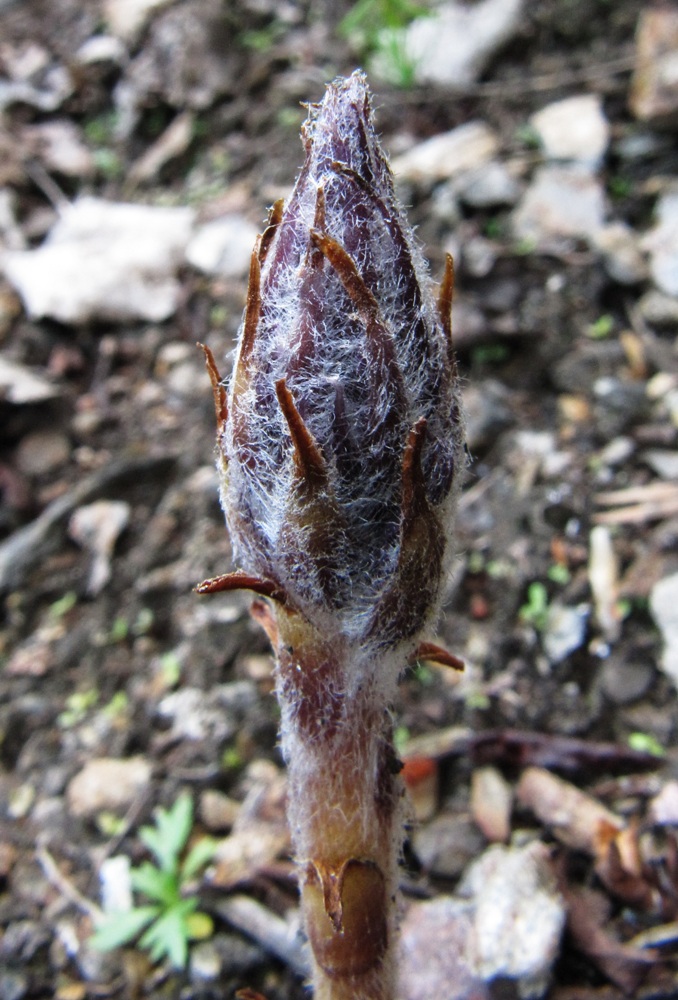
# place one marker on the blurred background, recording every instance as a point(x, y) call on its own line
point(141, 144)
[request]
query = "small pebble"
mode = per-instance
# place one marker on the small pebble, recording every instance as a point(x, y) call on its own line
point(573, 129)
point(107, 783)
point(41, 452)
point(625, 681)
point(448, 154)
point(218, 811)
point(561, 204)
point(447, 844)
point(621, 254)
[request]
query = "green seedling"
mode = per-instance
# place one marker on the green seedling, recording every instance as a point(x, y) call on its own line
point(558, 573)
point(60, 608)
point(78, 705)
point(601, 328)
point(535, 610)
point(377, 28)
point(171, 917)
point(646, 743)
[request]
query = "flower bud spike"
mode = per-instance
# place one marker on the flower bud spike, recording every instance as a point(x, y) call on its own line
point(433, 653)
point(308, 457)
point(344, 445)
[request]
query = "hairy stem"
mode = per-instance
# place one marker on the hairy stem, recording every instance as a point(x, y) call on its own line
point(344, 809)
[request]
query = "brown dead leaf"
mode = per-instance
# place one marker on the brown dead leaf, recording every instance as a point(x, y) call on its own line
point(575, 818)
point(623, 964)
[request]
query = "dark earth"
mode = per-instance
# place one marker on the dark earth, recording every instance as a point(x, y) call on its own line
point(137, 666)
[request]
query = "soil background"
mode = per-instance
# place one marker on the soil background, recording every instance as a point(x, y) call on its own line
point(140, 668)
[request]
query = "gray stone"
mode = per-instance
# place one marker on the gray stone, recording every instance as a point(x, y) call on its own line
point(562, 204)
point(621, 254)
point(519, 916)
point(435, 943)
point(448, 154)
point(42, 451)
point(487, 406)
point(14, 985)
point(658, 309)
point(207, 715)
point(488, 186)
point(662, 244)
point(625, 681)
point(452, 46)
point(97, 527)
point(205, 961)
point(223, 247)
point(479, 256)
point(565, 630)
point(664, 463)
point(447, 844)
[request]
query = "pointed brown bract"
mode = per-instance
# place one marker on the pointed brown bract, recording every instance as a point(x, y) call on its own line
point(340, 456)
point(310, 463)
point(274, 219)
point(242, 581)
point(436, 654)
point(218, 391)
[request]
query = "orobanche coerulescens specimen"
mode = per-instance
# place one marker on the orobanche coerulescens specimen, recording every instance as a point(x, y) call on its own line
point(340, 451)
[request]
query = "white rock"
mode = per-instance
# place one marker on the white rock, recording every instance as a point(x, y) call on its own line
point(619, 246)
point(223, 247)
point(565, 630)
point(200, 715)
point(104, 260)
point(662, 244)
point(573, 129)
point(454, 44)
point(107, 783)
point(664, 608)
point(561, 204)
point(519, 916)
point(96, 527)
point(126, 18)
point(449, 154)
point(19, 384)
point(433, 951)
point(115, 876)
point(101, 49)
point(664, 463)
point(664, 806)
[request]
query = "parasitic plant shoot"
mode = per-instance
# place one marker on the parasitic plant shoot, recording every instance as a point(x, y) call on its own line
point(340, 452)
